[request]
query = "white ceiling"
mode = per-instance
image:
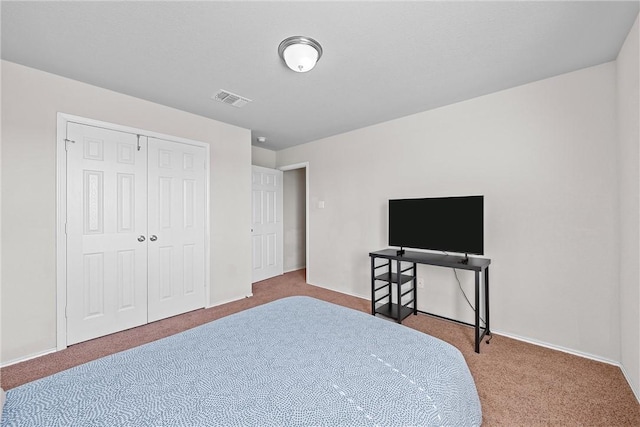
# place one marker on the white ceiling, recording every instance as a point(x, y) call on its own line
point(382, 60)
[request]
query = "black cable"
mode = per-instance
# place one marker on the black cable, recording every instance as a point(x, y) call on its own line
point(455, 272)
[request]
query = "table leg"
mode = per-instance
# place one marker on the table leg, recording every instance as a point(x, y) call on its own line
point(398, 287)
point(415, 287)
point(373, 286)
point(477, 328)
point(486, 299)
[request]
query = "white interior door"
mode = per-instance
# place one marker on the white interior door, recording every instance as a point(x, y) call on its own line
point(176, 177)
point(106, 221)
point(266, 223)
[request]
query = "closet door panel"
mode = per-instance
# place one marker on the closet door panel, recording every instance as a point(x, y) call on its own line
point(106, 214)
point(176, 203)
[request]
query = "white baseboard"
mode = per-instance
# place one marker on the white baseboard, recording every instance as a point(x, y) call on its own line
point(636, 393)
point(342, 291)
point(557, 347)
point(217, 303)
point(294, 269)
point(29, 357)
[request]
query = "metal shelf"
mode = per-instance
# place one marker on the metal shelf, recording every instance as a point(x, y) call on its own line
point(382, 295)
point(391, 310)
point(393, 278)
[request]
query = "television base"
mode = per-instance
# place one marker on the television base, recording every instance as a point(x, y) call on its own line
point(400, 252)
point(464, 260)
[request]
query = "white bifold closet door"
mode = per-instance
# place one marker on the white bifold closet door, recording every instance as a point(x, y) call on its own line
point(135, 230)
point(176, 228)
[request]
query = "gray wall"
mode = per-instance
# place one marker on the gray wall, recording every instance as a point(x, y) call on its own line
point(544, 156)
point(263, 157)
point(629, 172)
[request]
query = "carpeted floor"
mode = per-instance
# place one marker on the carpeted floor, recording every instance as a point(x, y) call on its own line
point(519, 384)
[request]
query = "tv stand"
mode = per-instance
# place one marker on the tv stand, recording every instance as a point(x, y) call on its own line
point(399, 310)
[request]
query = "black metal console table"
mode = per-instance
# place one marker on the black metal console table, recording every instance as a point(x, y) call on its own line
point(406, 300)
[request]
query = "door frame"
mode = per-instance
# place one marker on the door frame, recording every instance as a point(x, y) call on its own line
point(305, 166)
point(61, 211)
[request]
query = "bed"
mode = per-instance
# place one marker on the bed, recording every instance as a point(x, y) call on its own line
point(294, 361)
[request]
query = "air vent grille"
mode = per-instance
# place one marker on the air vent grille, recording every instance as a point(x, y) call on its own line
point(232, 99)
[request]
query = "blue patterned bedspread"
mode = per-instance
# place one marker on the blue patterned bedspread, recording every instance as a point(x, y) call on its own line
point(295, 361)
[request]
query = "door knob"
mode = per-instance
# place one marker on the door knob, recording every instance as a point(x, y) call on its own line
point(153, 238)
point(141, 239)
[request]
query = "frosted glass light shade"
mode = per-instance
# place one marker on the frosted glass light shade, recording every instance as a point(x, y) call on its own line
point(300, 57)
point(300, 53)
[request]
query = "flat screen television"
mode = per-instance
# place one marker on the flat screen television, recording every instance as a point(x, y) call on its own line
point(450, 224)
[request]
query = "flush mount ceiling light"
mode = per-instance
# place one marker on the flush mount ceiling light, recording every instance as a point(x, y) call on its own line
point(300, 53)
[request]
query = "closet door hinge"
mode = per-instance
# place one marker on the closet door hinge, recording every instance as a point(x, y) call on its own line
point(138, 142)
point(66, 144)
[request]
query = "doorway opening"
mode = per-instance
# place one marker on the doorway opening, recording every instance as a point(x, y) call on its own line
point(296, 217)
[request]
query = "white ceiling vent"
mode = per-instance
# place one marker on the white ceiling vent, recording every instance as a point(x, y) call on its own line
point(231, 98)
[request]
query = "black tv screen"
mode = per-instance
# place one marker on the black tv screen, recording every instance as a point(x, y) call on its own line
point(450, 224)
